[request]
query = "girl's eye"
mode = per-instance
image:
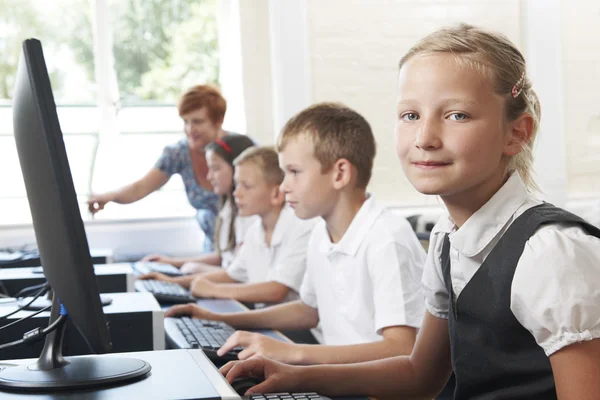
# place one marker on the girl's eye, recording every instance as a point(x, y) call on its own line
point(410, 117)
point(458, 116)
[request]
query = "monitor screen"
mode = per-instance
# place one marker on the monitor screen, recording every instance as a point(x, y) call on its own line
point(61, 241)
point(57, 222)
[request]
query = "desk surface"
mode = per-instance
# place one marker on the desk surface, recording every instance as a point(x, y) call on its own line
point(35, 272)
point(121, 303)
point(31, 258)
point(111, 278)
point(176, 374)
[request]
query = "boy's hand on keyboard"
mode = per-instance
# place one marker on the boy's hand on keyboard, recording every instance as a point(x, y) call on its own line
point(193, 310)
point(278, 377)
point(256, 344)
point(202, 287)
point(156, 276)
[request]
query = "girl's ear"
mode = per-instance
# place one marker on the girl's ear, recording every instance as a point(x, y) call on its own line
point(342, 173)
point(519, 135)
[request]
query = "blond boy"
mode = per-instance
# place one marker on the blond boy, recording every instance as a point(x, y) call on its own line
point(270, 264)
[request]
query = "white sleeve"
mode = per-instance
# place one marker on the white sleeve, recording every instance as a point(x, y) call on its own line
point(227, 257)
point(434, 288)
point(237, 270)
point(555, 291)
point(395, 275)
point(308, 293)
point(242, 224)
point(291, 265)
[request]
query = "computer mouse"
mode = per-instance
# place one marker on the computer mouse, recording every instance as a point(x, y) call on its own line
point(242, 384)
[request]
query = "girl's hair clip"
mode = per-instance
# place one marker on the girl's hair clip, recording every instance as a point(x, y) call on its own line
point(224, 145)
point(518, 88)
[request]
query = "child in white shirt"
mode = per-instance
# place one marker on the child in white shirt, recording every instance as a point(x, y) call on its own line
point(229, 227)
point(364, 263)
point(270, 264)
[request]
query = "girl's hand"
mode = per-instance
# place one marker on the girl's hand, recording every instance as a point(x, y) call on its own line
point(277, 377)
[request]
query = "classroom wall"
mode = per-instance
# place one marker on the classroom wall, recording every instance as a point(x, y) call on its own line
point(355, 46)
point(580, 24)
point(352, 51)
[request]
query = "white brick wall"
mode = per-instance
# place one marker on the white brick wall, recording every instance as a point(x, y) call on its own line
point(355, 46)
point(581, 80)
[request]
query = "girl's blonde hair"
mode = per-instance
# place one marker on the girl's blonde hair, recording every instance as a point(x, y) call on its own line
point(497, 57)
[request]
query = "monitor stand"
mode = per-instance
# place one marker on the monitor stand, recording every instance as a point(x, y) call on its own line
point(44, 302)
point(54, 372)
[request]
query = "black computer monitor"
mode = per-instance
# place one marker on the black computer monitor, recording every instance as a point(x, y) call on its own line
point(61, 241)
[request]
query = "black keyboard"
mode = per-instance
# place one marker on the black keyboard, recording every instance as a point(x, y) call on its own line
point(143, 267)
point(164, 292)
point(286, 396)
point(193, 333)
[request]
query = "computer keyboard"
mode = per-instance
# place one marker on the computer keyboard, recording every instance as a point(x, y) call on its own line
point(193, 333)
point(164, 292)
point(144, 267)
point(286, 396)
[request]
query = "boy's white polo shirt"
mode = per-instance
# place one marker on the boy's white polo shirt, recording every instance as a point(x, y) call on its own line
point(369, 280)
point(284, 261)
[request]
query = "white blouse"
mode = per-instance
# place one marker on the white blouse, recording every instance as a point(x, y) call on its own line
point(555, 292)
point(283, 260)
point(240, 225)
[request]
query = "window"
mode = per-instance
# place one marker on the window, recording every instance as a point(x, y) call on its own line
point(116, 112)
point(162, 47)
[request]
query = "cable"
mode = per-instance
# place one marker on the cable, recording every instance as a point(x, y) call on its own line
point(4, 290)
point(26, 318)
point(21, 292)
point(38, 294)
point(35, 334)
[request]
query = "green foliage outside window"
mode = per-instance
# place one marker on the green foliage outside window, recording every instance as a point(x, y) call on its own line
point(160, 47)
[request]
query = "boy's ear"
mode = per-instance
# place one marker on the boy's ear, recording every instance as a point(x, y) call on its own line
point(277, 195)
point(342, 173)
point(519, 135)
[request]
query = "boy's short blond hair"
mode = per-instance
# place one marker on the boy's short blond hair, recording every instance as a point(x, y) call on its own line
point(337, 132)
point(266, 159)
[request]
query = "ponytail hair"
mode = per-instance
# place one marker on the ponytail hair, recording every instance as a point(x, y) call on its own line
point(228, 148)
